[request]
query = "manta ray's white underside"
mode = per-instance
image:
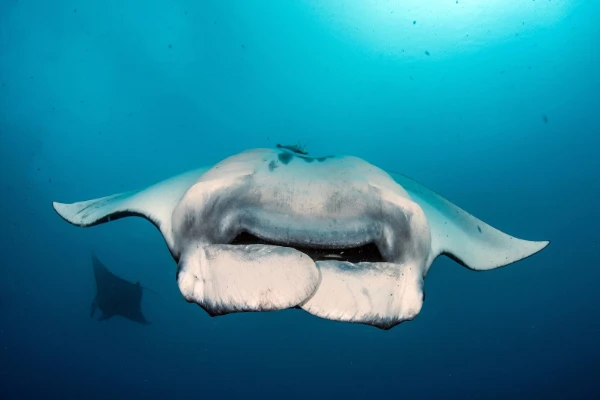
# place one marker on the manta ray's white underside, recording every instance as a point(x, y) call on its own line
point(270, 229)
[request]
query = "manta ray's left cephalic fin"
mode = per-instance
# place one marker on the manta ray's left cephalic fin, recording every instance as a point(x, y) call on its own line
point(378, 294)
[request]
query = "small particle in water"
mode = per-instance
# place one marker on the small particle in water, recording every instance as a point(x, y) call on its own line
point(426, 52)
point(75, 10)
point(243, 46)
point(414, 22)
point(170, 46)
point(545, 117)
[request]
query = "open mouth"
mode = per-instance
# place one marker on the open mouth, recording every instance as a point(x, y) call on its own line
point(364, 253)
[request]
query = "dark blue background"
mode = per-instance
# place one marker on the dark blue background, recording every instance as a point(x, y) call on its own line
point(101, 97)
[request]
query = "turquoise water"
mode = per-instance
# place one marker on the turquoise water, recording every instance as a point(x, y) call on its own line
point(493, 104)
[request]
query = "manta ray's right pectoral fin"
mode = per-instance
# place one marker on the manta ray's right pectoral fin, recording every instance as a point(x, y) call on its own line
point(155, 203)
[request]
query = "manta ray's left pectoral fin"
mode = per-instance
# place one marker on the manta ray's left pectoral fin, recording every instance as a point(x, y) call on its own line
point(463, 237)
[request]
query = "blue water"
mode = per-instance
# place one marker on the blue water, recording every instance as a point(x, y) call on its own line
point(492, 104)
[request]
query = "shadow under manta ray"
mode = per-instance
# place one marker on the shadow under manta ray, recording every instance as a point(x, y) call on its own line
point(116, 296)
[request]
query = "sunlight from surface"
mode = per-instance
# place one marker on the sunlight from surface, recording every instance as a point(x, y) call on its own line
point(436, 27)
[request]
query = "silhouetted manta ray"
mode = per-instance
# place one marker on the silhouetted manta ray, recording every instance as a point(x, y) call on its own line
point(270, 229)
point(116, 296)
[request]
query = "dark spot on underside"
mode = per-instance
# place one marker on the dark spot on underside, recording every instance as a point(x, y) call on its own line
point(479, 228)
point(272, 165)
point(285, 157)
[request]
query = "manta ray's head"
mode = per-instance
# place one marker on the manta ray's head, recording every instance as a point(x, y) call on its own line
point(262, 231)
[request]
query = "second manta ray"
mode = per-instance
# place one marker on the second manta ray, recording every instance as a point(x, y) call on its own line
point(271, 229)
point(116, 296)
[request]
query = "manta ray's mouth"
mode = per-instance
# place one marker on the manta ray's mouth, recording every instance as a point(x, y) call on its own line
point(364, 253)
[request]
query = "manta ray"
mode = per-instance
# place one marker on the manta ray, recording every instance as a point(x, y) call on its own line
point(336, 236)
point(116, 296)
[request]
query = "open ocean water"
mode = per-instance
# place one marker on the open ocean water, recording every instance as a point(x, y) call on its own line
point(493, 104)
